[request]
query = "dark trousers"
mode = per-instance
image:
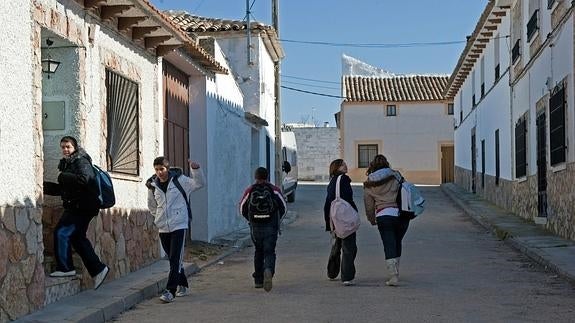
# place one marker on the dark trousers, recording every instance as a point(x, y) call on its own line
point(70, 233)
point(343, 252)
point(264, 238)
point(392, 229)
point(173, 244)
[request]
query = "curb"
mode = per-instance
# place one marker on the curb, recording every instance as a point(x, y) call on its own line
point(106, 305)
point(535, 254)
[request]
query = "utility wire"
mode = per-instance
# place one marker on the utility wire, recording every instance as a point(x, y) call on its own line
point(314, 93)
point(307, 79)
point(368, 45)
point(318, 86)
point(381, 45)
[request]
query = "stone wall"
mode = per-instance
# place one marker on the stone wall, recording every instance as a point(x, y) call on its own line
point(21, 257)
point(126, 240)
point(316, 148)
point(520, 197)
point(561, 202)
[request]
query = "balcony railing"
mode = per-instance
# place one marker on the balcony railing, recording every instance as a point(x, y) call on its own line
point(532, 25)
point(515, 53)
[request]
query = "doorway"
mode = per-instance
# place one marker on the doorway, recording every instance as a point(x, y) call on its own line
point(447, 164)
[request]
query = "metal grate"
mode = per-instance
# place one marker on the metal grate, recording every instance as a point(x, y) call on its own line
point(122, 146)
point(521, 148)
point(557, 126)
point(515, 53)
point(532, 25)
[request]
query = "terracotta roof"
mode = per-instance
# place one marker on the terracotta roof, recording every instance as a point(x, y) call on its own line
point(397, 89)
point(197, 25)
point(191, 23)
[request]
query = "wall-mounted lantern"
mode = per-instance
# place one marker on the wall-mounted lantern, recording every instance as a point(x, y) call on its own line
point(49, 65)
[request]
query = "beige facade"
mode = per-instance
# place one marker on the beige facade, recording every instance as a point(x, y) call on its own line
point(409, 133)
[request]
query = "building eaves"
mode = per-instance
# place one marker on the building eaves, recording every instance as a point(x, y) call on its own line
point(143, 24)
point(197, 26)
point(476, 43)
point(394, 89)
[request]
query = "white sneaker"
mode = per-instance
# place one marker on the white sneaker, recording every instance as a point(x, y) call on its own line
point(63, 273)
point(182, 291)
point(348, 283)
point(167, 297)
point(99, 279)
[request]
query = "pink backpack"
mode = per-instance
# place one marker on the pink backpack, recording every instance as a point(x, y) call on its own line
point(344, 218)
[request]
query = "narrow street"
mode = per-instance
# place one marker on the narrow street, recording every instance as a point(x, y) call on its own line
point(451, 271)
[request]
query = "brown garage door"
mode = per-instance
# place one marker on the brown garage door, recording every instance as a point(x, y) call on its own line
point(176, 116)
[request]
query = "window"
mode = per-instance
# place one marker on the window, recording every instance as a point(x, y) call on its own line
point(521, 147)
point(391, 110)
point(496, 47)
point(122, 146)
point(532, 25)
point(483, 163)
point(365, 155)
point(557, 125)
point(482, 76)
point(473, 100)
point(550, 4)
point(497, 158)
point(450, 108)
point(515, 52)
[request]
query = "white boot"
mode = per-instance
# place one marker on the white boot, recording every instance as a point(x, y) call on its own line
point(393, 269)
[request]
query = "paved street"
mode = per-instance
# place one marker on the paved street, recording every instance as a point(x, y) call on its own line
point(452, 270)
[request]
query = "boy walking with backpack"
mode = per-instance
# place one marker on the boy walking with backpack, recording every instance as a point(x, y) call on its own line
point(168, 200)
point(263, 205)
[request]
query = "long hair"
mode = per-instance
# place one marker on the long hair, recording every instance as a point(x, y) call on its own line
point(378, 162)
point(334, 167)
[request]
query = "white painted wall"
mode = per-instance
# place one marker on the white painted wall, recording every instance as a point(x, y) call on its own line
point(555, 63)
point(257, 85)
point(492, 112)
point(17, 148)
point(84, 103)
point(220, 139)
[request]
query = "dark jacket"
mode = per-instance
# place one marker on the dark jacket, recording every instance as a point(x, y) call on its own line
point(76, 183)
point(279, 202)
point(345, 192)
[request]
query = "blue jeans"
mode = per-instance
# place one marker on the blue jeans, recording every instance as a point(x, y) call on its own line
point(392, 229)
point(264, 238)
point(342, 255)
point(70, 233)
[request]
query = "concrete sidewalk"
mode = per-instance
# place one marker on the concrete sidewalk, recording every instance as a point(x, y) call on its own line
point(118, 296)
point(122, 294)
point(550, 251)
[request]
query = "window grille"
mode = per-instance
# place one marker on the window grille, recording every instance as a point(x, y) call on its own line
point(521, 148)
point(532, 25)
point(557, 126)
point(122, 145)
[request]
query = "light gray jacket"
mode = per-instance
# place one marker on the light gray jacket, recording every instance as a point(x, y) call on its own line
point(169, 209)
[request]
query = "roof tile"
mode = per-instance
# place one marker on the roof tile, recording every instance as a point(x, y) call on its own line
point(397, 88)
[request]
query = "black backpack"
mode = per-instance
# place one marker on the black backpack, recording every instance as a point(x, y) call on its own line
point(261, 207)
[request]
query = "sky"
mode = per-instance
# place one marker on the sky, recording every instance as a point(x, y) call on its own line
point(390, 25)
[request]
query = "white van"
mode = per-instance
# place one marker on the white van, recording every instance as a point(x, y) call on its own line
point(289, 165)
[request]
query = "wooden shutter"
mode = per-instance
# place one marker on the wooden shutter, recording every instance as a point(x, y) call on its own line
point(557, 126)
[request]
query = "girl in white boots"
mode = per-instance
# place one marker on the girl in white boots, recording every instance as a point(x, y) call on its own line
point(380, 193)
